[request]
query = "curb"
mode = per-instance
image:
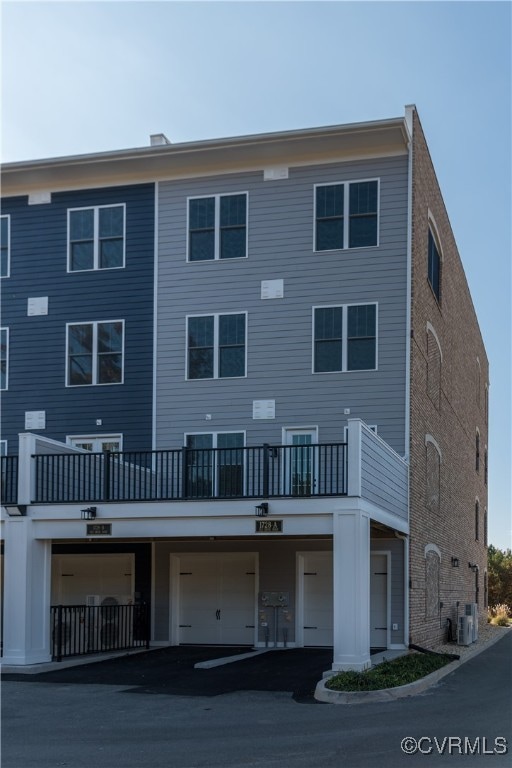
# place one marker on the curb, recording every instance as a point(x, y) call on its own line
point(328, 696)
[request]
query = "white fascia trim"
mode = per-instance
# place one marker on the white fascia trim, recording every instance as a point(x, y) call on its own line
point(408, 309)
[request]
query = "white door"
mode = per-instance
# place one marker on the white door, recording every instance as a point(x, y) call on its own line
point(318, 598)
point(217, 599)
point(379, 601)
point(300, 465)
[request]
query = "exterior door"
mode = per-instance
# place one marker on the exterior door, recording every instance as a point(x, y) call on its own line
point(300, 462)
point(379, 601)
point(217, 599)
point(318, 598)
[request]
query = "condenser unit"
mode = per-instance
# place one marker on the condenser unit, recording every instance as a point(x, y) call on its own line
point(465, 630)
point(110, 624)
point(471, 609)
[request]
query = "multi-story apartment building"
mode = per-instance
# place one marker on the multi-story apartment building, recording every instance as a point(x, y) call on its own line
point(260, 370)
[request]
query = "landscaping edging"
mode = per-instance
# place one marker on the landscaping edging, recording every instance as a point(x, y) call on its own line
point(328, 696)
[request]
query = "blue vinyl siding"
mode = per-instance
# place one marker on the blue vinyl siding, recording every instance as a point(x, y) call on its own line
point(37, 364)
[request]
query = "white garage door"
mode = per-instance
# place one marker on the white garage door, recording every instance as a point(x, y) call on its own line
point(76, 576)
point(217, 599)
point(318, 599)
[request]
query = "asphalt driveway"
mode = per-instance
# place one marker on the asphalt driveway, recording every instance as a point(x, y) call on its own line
point(171, 671)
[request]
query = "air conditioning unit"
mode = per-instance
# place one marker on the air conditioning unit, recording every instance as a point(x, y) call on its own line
point(465, 630)
point(110, 625)
point(471, 609)
point(73, 633)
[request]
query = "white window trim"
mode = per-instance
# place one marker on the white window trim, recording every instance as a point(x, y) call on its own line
point(435, 233)
point(96, 238)
point(344, 345)
point(346, 214)
point(8, 217)
point(94, 382)
point(215, 316)
point(7, 350)
point(3, 447)
point(285, 431)
point(216, 255)
point(432, 440)
point(93, 438)
point(431, 329)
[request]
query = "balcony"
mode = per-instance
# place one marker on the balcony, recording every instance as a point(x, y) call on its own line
point(264, 471)
point(365, 468)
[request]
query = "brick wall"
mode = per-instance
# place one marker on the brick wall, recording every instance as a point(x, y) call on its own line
point(450, 419)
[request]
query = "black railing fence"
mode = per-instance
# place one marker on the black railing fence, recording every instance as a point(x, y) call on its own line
point(9, 479)
point(213, 473)
point(77, 630)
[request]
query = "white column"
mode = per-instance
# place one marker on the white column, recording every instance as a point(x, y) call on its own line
point(351, 590)
point(27, 584)
point(354, 457)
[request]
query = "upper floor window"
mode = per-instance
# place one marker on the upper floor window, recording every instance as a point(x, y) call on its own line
point(5, 245)
point(434, 364)
point(477, 520)
point(217, 227)
point(477, 451)
point(345, 338)
point(4, 358)
point(434, 265)
point(96, 238)
point(216, 346)
point(486, 466)
point(95, 353)
point(97, 443)
point(346, 215)
point(433, 474)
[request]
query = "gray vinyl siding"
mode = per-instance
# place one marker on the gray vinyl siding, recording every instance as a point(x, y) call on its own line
point(37, 355)
point(384, 476)
point(279, 360)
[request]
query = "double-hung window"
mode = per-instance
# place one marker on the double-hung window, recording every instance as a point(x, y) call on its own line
point(4, 358)
point(345, 338)
point(215, 464)
point(97, 443)
point(95, 353)
point(217, 227)
point(216, 346)
point(346, 215)
point(96, 238)
point(434, 266)
point(5, 245)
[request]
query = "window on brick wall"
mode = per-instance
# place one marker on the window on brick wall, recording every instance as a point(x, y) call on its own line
point(477, 451)
point(486, 590)
point(432, 574)
point(477, 520)
point(434, 265)
point(433, 474)
point(485, 527)
point(486, 466)
point(434, 361)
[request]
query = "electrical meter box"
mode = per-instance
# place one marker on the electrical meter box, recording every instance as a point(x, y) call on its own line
point(275, 599)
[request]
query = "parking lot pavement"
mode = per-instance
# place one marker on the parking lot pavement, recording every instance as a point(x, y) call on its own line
point(171, 671)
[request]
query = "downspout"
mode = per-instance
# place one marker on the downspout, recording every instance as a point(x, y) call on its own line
point(155, 318)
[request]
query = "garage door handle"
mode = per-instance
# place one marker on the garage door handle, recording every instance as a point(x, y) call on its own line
point(217, 614)
point(310, 627)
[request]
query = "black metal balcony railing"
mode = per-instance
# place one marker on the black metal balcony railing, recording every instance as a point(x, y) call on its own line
point(9, 479)
point(77, 630)
point(214, 473)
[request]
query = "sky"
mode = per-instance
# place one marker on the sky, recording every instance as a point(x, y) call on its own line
point(81, 77)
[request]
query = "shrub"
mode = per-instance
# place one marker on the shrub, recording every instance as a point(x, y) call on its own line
point(499, 614)
point(389, 674)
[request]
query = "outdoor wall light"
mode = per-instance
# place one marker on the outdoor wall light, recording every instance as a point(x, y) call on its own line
point(89, 513)
point(261, 509)
point(474, 567)
point(16, 510)
point(455, 562)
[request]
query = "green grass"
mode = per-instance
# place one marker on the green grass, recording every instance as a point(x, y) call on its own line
point(389, 674)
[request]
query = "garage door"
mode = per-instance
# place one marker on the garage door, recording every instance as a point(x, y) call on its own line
point(217, 599)
point(318, 599)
